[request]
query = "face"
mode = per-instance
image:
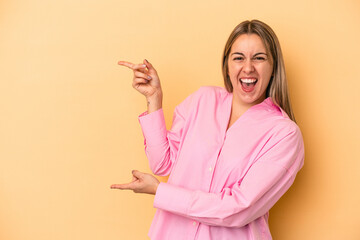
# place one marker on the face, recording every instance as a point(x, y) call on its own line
point(250, 69)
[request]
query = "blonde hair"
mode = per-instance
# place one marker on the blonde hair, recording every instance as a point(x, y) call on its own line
point(277, 88)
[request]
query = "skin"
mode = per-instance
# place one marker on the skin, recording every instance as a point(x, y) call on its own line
point(141, 183)
point(146, 81)
point(248, 59)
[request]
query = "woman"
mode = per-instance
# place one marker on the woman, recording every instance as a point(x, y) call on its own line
point(231, 154)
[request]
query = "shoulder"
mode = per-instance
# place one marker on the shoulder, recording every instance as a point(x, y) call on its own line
point(291, 141)
point(284, 142)
point(282, 126)
point(208, 93)
point(286, 133)
point(274, 117)
point(274, 122)
point(206, 97)
point(286, 128)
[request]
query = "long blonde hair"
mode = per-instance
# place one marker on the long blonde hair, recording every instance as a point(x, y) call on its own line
point(277, 88)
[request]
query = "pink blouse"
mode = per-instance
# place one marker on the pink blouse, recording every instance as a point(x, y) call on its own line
point(222, 182)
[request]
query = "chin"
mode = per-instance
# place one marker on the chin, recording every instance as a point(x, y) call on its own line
point(251, 99)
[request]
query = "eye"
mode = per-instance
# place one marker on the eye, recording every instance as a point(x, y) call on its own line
point(238, 58)
point(259, 59)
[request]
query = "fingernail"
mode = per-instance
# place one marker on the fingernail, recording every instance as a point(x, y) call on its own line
point(148, 77)
point(144, 65)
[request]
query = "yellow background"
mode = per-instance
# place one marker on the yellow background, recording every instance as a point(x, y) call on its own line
point(68, 113)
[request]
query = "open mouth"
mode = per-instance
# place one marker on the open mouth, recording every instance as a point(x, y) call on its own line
point(248, 84)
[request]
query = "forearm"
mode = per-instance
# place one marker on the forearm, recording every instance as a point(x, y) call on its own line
point(161, 145)
point(157, 146)
point(232, 207)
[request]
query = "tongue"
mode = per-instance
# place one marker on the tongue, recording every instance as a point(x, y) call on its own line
point(248, 87)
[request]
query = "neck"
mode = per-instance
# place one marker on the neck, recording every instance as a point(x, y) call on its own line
point(239, 107)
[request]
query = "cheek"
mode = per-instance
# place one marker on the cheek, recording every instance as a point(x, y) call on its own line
point(234, 70)
point(266, 72)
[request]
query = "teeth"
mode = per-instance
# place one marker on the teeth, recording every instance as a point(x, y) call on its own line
point(246, 80)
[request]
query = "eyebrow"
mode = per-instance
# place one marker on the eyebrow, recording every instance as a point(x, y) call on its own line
point(239, 53)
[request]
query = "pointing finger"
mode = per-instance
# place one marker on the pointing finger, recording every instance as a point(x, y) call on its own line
point(126, 64)
point(129, 186)
point(131, 65)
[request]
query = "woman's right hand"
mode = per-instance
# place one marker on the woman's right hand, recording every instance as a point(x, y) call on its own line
point(146, 80)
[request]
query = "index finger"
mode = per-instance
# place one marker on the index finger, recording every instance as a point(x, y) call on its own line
point(131, 65)
point(129, 186)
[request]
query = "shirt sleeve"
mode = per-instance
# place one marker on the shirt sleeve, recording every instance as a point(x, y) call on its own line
point(262, 186)
point(162, 145)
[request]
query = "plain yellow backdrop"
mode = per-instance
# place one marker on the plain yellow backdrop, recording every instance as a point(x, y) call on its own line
point(68, 113)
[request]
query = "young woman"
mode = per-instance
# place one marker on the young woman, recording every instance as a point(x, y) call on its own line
point(231, 153)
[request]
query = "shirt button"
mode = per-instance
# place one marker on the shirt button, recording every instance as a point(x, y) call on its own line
point(194, 223)
point(210, 169)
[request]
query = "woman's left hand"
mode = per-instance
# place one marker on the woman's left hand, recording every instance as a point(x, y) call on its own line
point(142, 183)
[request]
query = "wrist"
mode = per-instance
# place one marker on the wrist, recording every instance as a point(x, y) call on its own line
point(156, 97)
point(154, 102)
point(156, 187)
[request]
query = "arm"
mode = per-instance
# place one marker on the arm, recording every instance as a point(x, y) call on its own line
point(262, 186)
point(147, 82)
point(161, 145)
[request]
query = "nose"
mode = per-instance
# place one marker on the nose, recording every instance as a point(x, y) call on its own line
point(248, 66)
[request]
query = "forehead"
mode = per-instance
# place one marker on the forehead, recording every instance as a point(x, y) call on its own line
point(248, 43)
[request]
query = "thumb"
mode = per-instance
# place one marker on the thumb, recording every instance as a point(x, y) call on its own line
point(149, 66)
point(137, 174)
